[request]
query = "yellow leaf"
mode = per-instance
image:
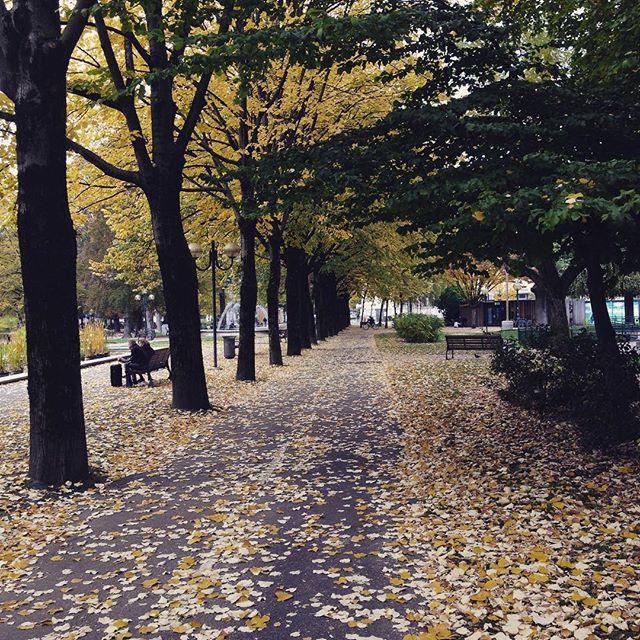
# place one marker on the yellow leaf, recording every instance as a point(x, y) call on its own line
point(181, 628)
point(258, 622)
point(479, 215)
point(281, 596)
point(147, 584)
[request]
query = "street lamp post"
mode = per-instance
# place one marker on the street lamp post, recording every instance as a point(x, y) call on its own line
point(145, 298)
point(231, 251)
point(517, 285)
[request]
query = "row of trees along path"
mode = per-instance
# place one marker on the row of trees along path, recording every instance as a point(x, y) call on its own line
point(174, 47)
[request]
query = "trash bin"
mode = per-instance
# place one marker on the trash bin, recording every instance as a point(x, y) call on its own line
point(229, 347)
point(116, 375)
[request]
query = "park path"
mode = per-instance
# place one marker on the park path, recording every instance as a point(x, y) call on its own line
point(289, 523)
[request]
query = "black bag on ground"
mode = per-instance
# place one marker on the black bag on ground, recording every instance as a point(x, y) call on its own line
point(116, 375)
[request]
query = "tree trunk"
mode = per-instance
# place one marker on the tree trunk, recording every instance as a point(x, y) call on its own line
point(273, 299)
point(386, 316)
point(319, 286)
point(629, 311)
point(311, 318)
point(294, 303)
point(305, 302)
point(620, 382)
point(246, 369)
point(333, 305)
point(364, 301)
point(47, 240)
point(382, 304)
point(345, 311)
point(557, 314)
point(598, 295)
point(180, 286)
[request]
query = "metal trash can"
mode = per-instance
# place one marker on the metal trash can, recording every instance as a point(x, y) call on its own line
point(116, 375)
point(229, 347)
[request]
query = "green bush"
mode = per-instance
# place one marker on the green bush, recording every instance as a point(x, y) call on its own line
point(13, 354)
point(415, 327)
point(575, 381)
point(93, 340)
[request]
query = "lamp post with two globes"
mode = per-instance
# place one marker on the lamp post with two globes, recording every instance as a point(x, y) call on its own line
point(145, 298)
point(231, 251)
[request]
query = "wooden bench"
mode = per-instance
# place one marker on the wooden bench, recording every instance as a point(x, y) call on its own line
point(472, 343)
point(159, 360)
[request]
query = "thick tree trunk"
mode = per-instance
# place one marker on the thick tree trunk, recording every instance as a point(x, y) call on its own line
point(58, 449)
point(311, 318)
point(246, 369)
point(273, 299)
point(620, 382)
point(294, 302)
point(557, 314)
point(382, 311)
point(320, 294)
point(598, 295)
point(305, 302)
point(333, 305)
point(629, 311)
point(345, 311)
point(180, 286)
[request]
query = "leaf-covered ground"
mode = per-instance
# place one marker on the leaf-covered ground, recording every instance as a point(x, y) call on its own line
point(529, 535)
point(356, 494)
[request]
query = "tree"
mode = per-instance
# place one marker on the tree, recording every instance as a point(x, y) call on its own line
point(34, 56)
point(300, 96)
point(159, 169)
point(11, 293)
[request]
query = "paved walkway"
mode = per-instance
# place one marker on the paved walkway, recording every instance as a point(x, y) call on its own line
point(287, 524)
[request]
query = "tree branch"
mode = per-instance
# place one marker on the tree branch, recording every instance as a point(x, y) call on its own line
point(107, 168)
point(75, 26)
point(197, 105)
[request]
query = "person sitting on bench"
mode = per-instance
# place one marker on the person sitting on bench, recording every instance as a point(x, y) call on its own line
point(137, 363)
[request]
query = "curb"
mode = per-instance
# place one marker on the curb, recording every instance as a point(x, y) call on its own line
point(19, 377)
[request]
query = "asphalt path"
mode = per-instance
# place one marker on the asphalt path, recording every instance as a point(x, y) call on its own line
point(288, 523)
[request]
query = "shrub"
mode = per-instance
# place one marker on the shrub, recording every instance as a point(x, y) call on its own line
point(415, 327)
point(13, 354)
point(93, 340)
point(576, 381)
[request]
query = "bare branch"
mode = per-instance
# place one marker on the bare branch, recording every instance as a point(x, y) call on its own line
point(197, 105)
point(106, 167)
point(75, 26)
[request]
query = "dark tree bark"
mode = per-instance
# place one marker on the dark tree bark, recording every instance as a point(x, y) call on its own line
point(273, 298)
point(386, 316)
point(246, 369)
point(382, 311)
point(159, 175)
point(311, 319)
point(345, 311)
point(320, 295)
point(305, 301)
point(555, 287)
point(629, 311)
point(33, 62)
point(598, 296)
point(180, 286)
point(294, 302)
